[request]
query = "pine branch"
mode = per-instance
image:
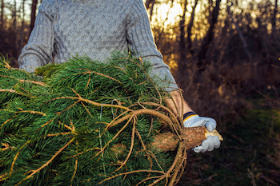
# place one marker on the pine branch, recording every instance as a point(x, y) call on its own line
point(113, 111)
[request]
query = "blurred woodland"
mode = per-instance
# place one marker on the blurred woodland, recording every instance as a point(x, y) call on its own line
point(220, 50)
point(216, 49)
point(224, 54)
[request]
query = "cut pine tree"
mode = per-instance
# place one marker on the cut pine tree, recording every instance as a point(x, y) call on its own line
point(90, 123)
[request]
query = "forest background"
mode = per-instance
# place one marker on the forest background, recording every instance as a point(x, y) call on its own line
point(224, 54)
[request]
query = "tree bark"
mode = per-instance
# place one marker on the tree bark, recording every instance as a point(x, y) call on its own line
point(33, 14)
point(168, 141)
point(189, 29)
point(164, 142)
point(201, 56)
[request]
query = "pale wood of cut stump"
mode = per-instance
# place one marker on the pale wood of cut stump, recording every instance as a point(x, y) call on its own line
point(169, 141)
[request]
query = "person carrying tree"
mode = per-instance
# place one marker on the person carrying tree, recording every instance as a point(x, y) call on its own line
point(96, 28)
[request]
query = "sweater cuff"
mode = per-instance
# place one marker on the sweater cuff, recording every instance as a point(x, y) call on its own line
point(30, 63)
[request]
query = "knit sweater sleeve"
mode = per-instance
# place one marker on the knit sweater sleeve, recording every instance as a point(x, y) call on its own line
point(141, 41)
point(38, 51)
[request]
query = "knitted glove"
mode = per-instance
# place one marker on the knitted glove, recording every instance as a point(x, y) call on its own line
point(191, 119)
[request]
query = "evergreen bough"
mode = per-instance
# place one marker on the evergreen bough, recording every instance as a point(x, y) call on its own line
point(86, 123)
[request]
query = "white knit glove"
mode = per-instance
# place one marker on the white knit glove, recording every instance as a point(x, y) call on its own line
point(191, 119)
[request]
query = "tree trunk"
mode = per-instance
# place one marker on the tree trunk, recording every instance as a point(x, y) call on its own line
point(148, 3)
point(22, 27)
point(2, 14)
point(182, 43)
point(201, 56)
point(274, 38)
point(189, 29)
point(14, 16)
point(33, 14)
point(273, 20)
point(152, 9)
point(210, 2)
point(245, 46)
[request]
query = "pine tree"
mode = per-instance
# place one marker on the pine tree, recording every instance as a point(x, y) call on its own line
point(87, 123)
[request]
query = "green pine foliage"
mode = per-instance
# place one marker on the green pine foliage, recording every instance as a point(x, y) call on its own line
point(64, 128)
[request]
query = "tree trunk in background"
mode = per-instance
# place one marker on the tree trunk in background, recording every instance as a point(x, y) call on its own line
point(33, 14)
point(189, 29)
point(14, 16)
point(2, 14)
point(201, 56)
point(182, 44)
point(22, 27)
point(152, 9)
point(148, 3)
point(226, 23)
point(274, 38)
point(273, 20)
point(245, 46)
point(210, 5)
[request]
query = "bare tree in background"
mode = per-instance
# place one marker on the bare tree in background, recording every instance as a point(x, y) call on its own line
point(33, 14)
point(2, 14)
point(273, 19)
point(14, 16)
point(201, 56)
point(147, 3)
point(22, 26)
point(210, 5)
point(150, 5)
point(189, 29)
point(182, 44)
point(245, 46)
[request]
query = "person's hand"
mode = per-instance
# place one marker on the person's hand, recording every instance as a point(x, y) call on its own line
point(191, 119)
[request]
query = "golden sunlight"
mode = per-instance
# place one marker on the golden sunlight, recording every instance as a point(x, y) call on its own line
point(168, 15)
